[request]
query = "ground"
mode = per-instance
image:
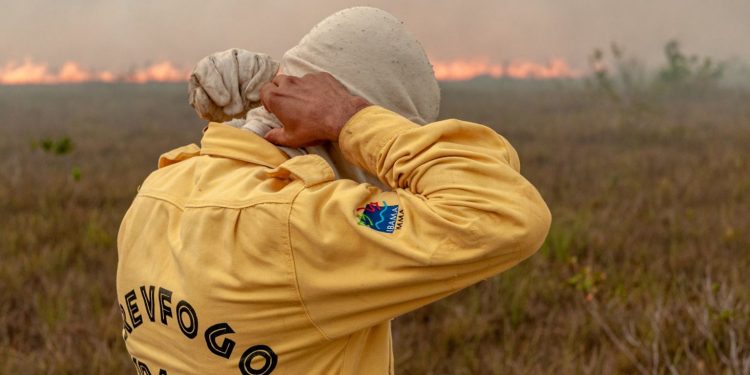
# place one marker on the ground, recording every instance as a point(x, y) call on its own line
point(643, 270)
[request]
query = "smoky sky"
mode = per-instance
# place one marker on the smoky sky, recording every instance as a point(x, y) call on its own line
point(119, 34)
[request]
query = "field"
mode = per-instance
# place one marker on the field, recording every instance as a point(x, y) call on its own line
point(645, 269)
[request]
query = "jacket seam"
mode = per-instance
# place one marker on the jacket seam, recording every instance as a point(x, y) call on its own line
point(239, 206)
point(294, 268)
point(216, 203)
point(161, 198)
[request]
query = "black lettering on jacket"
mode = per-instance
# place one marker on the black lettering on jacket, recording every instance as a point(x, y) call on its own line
point(225, 349)
point(130, 300)
point(148, 301)
point(262, 351)
point(125, 323)
point(165, 301)
point(184, 308)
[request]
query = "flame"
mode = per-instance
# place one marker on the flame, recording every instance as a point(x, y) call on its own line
point(72, 73)
point(30, 72)
point(458, 70)
point(159, 72)
point(13, 73)
point(105, 76)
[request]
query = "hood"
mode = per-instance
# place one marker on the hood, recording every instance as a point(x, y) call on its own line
point(373, 55)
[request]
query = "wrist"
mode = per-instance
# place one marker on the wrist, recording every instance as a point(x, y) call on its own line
point(354, 105)
point(365, 135)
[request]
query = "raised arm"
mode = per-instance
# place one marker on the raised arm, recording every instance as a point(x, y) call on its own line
point(459, 212)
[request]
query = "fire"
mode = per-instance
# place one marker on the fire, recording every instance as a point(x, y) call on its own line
point(13, 73)
point(72, 72)
point(458, 70)
point(30, 72)
point(160, 72)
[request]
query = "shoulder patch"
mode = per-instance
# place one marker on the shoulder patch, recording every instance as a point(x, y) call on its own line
point(380, 216)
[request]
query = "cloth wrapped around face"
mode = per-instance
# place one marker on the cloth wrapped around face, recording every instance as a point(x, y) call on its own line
point(367, 49)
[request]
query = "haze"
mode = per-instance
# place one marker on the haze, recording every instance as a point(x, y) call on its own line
point(121, 34)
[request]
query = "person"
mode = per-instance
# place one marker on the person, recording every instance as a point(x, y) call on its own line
point(239, 256)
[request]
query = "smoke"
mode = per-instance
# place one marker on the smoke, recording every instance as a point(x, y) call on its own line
point(115, 35)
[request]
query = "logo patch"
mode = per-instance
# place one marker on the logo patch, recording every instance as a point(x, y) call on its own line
point(380, 216)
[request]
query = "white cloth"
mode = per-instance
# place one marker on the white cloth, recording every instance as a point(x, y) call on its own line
point(225, 85)
point(373, 55)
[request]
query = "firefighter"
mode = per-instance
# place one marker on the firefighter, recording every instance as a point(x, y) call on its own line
point(324, 201)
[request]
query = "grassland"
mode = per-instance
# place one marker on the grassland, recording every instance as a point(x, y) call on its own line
point(645, 269)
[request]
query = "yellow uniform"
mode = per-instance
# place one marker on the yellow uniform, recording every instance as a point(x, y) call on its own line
point(235, 259)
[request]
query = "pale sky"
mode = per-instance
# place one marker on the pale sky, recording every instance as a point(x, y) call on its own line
point(118, 34)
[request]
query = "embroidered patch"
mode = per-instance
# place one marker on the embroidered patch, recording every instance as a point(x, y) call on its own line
point(380, 216)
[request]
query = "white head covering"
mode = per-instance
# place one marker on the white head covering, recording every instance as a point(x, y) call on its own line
point(373, 55)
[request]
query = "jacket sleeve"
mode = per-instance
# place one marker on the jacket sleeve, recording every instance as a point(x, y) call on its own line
point(459, 212)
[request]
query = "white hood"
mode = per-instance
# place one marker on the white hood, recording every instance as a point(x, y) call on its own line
point(373, 55)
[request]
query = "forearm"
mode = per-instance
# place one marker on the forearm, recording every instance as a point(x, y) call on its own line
point(459, 212)
point(466, 173)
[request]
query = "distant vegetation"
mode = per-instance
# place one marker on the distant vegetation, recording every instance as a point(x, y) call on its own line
point(60, 146)
point(625, 79)
point(693, 70)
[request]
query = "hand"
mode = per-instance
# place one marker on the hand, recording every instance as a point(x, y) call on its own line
point(225, 85)
point(313, 109)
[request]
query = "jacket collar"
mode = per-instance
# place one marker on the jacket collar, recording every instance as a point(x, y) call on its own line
point(230, 142)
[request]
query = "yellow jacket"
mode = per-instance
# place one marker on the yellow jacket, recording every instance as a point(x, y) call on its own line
point(235, 259)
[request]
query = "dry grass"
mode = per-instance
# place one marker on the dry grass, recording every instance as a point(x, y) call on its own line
point(642, 271)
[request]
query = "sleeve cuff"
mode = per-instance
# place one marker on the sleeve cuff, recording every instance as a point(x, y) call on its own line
point(366, 133)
